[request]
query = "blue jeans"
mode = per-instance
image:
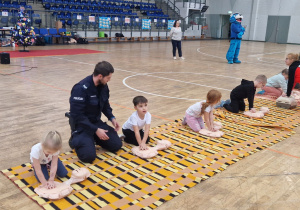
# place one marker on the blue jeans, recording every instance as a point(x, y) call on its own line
point(61, 170)
point(234, 50)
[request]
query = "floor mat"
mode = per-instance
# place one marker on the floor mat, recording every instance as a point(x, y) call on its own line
point(57, 52)
point(124, 181)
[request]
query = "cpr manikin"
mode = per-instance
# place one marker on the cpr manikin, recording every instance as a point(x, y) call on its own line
point(258, 114)
point(151, 151)
point(215, 134)
point(61, 190)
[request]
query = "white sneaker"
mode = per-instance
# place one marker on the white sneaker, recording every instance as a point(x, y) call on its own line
point(182, 58)
point(174, 58)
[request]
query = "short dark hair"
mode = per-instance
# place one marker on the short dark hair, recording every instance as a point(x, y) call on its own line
point(285, 71)
point(104, 68)
point(174, 25)
point(139, 100)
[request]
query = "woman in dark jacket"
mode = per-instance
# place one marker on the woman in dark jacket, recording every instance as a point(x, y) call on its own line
point(292, 60)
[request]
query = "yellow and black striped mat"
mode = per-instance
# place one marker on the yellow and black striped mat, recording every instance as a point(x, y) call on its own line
point(124, 181)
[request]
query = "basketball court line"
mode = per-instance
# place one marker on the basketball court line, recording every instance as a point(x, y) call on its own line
point(121, 106)
point(261, 63)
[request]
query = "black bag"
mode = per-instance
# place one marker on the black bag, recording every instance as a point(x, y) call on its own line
point(119, 35)
point(82, 41)
point(105, 35)
point(5, 58)
point(40, 41)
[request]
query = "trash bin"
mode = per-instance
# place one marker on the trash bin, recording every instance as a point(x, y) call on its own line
point(101, 34)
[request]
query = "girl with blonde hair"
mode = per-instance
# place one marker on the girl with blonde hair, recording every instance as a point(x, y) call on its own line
point(292, 60)
point(193, 116)
point(44, 155)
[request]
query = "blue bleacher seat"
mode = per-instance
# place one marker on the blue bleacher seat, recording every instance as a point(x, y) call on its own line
point(44, 32)
point(36, 31)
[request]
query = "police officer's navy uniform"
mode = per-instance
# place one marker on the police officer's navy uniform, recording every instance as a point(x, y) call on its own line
point(87, 101)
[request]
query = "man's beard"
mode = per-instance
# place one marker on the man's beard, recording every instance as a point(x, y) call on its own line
point(100, 82)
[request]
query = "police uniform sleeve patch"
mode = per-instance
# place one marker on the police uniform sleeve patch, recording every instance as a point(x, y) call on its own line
point(85, 86)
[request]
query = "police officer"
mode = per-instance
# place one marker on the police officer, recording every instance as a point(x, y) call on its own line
point(89, 98)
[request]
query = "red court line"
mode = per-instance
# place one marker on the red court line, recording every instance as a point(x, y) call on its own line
point(57, 52)
point(283, 153)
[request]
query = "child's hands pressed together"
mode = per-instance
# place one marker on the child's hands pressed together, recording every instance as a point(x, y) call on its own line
point(50, 184)
point(143, 146)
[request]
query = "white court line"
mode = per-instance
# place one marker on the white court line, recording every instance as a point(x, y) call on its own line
point(90, 64)
point(149, 74)
point(255, 55)
point(261, 63)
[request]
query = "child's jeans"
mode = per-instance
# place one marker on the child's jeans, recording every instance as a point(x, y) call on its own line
point(130, 137)
point(272, 91)
point(61, 170)
point(195, 123)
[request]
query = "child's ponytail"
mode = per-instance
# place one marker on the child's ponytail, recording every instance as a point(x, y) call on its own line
point(204, 106)
point(212, 97)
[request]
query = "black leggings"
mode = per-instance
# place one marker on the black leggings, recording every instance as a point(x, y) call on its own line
point(177, 44)
point(130, 137)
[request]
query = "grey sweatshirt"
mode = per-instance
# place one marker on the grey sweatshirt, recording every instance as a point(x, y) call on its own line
point(176, 33)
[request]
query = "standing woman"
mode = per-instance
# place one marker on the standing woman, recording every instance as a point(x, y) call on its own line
point(176, 35)
point(292, 60)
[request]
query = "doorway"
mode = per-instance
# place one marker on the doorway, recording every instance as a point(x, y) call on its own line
point(277, 29)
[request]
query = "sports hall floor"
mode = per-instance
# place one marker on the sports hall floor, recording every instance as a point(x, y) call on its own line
point(34, 102)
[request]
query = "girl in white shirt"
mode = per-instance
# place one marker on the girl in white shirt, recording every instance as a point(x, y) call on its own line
point(44, 155)
point(133, 127)
point(193, 115)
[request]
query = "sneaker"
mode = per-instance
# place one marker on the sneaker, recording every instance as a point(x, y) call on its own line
point(174, 58)
point(182, 58)
point(184, 121)
point(261, 92)
point(122, 137)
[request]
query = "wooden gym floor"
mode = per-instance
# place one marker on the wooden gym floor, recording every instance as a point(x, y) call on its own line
point(34, 102)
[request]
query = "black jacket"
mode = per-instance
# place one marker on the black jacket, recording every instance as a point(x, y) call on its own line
point(292, 71)
point(245, 90)
point(87, 101)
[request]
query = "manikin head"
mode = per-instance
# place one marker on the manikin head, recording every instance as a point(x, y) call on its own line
point(102, 73)
point(140, 105)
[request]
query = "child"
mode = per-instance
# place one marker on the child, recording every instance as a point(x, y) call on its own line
point(45, 154)
point(245, 90)
point(133, 127)
point(193, 115)
point(277, 84)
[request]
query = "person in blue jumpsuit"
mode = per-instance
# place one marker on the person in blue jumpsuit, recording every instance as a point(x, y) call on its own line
point(89, 98)
point(237, 31)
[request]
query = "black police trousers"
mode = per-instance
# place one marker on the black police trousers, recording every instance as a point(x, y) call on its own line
point(84, 142)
